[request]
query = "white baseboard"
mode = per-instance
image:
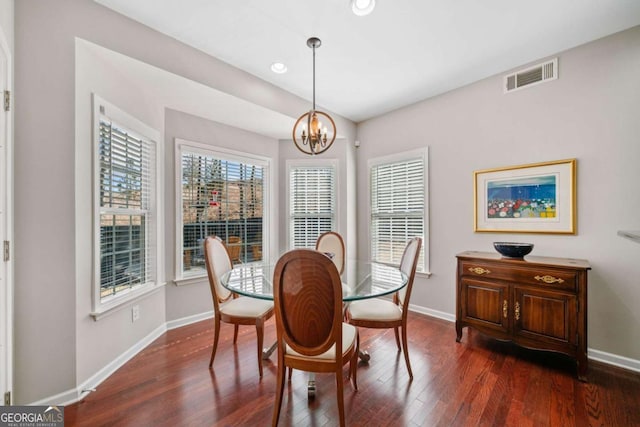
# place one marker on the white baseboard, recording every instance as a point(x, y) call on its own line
point(614, 359)
point(71, 396)
point(173, 324)
point(433, 313)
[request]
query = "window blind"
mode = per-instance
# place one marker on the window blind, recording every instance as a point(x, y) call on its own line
point(397, 208)
point(126, 181)
point(221, 197)
point(311, 204)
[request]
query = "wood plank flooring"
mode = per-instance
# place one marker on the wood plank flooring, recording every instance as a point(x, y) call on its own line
point(478, 382)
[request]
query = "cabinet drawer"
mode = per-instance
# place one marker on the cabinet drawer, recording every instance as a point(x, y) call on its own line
point(524, 275)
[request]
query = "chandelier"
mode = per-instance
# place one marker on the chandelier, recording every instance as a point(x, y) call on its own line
point(310, 135)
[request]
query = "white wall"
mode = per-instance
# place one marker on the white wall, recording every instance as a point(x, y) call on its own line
point(6, 21)
point(590, 113)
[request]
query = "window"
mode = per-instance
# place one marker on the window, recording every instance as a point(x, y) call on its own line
point(312, 211)
point(221, 193)
point(398, 206)
point(126, 206)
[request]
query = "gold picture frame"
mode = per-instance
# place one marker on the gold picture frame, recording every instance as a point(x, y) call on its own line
point(532, 198)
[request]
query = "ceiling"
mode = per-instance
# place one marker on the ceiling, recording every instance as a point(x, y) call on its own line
point(403, 52)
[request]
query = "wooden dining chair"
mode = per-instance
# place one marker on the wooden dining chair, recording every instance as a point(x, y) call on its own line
point(234, 247)
point(229, 307)
point(310, 333)
point(332, 243)
point(383, 313)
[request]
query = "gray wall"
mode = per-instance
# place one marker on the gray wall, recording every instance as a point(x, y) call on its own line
point(342, 151)
point(590, 113)
point(187, 300)
point(57, 345)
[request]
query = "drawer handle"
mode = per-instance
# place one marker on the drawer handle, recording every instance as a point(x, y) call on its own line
point(549, 279)
point(505, 309)
point(479, 270)
point(517, 311)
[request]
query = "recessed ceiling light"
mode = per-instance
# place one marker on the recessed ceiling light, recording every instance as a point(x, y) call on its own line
point(278, 67)
point(362, 7)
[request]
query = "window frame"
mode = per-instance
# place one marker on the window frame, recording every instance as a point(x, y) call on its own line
point(154, 240)
point(406, 156)
point(228, 155)
point(315, 162)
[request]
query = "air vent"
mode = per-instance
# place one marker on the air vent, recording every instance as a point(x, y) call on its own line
point(531, 76)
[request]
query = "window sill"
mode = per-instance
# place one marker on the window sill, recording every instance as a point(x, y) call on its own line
point(190, 280)
point(120, 303)
point(425, 274)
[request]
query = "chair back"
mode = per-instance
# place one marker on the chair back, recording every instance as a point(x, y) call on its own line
point(308, 303)
point(217, 260)
point(408, 266)
point(234, 247)
point(332, 242)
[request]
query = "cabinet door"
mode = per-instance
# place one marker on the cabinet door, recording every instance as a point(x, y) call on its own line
point(485, 304)
point(544, 315)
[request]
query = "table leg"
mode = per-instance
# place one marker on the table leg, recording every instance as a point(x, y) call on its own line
point(311, 385)
point(311, 382)
point(267, 352)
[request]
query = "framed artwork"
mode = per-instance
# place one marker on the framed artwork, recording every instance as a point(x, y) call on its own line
point(534, 198)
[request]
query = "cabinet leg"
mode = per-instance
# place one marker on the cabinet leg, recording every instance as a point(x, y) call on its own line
point(581, 363)
point(458, 331)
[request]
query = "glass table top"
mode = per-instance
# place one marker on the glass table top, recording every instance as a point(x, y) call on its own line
point(360, 280)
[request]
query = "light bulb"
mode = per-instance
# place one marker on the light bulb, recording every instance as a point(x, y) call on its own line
point(362, 7)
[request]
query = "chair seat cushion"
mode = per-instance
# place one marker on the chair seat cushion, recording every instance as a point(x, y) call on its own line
point(246, 307)
point(348, 340)
point(375, 309)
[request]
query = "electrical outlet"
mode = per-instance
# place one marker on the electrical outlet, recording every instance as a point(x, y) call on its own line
point(135, 313)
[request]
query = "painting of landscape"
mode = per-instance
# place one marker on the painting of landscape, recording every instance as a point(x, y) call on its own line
point(522, 198)
point(531, 198)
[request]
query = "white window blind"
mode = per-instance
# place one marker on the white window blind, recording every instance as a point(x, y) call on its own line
point(222, 197)
point(126, 182)
point(311, 204)
point(397, 208)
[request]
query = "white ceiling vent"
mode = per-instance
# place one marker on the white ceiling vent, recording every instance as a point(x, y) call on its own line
point(531, 76)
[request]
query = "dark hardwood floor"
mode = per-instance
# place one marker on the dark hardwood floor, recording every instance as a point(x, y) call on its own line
point(479, 381)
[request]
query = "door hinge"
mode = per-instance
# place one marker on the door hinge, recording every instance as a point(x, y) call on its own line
point(7, 100)
point(5, 251)
point(7, 399)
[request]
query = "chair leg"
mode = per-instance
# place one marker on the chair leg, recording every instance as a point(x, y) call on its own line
point(216, 335)
point(290, 372)
point(260, 334)
point(397, 338)
point(279, 389)
point(235, 333)
point(354, 363)
point(340, 394)
point(406, 350)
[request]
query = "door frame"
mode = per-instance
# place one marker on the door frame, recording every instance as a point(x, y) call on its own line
point(6, 292)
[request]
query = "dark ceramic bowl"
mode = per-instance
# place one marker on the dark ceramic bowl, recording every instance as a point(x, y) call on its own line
point(513, 250)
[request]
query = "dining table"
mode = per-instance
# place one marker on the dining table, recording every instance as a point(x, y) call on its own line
point(360, 280)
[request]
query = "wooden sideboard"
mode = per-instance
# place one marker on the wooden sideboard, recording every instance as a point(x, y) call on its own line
point(536, 302)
